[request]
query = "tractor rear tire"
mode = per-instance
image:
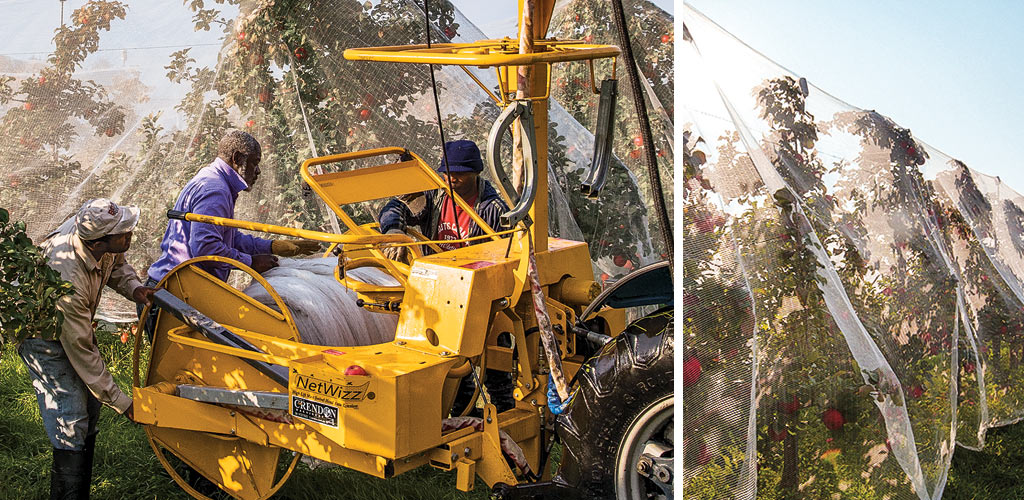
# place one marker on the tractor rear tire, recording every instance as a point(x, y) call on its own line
point(622, 407)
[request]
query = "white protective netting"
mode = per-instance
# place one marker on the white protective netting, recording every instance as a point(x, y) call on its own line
point(852, 296)
point(129, 101)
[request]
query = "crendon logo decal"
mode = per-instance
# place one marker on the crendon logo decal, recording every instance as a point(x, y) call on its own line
point(315, 412)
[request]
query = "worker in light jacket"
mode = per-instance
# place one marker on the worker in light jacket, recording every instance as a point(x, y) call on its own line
point(68, 374)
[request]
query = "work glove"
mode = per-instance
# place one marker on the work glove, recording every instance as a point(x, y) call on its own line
point(263, 262)
point(291, 248)
point(399, 254)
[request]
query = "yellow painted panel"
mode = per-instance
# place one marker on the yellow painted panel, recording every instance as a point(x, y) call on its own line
point(372, 183)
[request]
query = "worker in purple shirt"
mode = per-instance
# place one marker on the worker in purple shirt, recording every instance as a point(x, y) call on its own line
point(213, 191)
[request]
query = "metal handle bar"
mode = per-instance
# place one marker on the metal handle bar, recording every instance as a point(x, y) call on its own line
point(518, 112)
point(365, 239)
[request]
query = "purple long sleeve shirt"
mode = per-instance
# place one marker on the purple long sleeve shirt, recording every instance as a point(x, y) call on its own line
point(212, 191)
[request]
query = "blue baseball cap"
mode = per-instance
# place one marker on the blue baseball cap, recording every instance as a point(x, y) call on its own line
point(463, 156)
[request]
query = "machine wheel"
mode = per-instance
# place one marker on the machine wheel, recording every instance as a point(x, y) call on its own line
point(240, 468)
point(617, 430)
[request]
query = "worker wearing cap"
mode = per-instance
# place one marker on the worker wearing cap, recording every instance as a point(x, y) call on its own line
point(435, 214)
point(69, 376)
point(213, 191)
point(439, 218)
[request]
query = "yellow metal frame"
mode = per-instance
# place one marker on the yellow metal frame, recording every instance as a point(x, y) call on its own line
point(377, 182)
point(485, 53)
point(454, 306)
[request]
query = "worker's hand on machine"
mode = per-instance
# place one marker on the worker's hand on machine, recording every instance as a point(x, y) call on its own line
point(400, 254)
point(263, 262)
point(291, 248)
point(143, 295)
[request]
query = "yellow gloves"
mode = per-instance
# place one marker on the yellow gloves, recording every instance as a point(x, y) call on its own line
point(291, 248)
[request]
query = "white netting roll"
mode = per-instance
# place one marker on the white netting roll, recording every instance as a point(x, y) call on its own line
point(325, 312)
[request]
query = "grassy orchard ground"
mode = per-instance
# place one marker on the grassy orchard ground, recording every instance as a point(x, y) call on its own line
point(125, 466)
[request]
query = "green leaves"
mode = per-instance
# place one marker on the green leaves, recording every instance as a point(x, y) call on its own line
point(29, 289)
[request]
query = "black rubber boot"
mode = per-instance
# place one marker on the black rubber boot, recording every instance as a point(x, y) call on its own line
point(464, 398)
point(69, 477)
point(90, 451)
point(500, 384)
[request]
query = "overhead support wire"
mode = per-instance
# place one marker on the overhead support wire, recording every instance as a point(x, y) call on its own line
point(440, 127)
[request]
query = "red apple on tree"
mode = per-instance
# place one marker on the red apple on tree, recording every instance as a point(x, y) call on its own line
point(29, 106)
point(691, 371)
point(109, 132)
point(666, 38)
point(833, 419)
point(619, 260)
point(705, 223)
point(704, 455)
point(638, 141)
point(300, 53)
point(790, 406)
point(250, 123)
point(364, 114)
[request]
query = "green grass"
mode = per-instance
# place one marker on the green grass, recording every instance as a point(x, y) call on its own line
point(993, 473)
point(125, 466)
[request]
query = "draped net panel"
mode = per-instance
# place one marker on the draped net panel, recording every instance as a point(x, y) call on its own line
point(129, 101)
point(852, 296)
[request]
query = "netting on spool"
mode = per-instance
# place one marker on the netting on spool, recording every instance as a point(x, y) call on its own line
point(324, 311)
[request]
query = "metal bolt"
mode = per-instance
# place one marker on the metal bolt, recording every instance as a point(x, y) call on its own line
point(503, 302)
point(466, 451)
point(445, 353)
point(663, 474)
point(488, 420)
point(455, 456)
point(533, 402)
point(232, 432)
point(529, 385)
point(643, 467)
point(400, 342)
point(232, 413)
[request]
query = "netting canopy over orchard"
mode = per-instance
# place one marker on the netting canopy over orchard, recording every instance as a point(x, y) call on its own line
point(852, 296)
point(129, 101)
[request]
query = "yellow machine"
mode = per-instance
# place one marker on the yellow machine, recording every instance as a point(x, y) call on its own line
point(231, 385)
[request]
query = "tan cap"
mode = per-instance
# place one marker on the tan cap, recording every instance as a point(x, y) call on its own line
point(100, 217)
